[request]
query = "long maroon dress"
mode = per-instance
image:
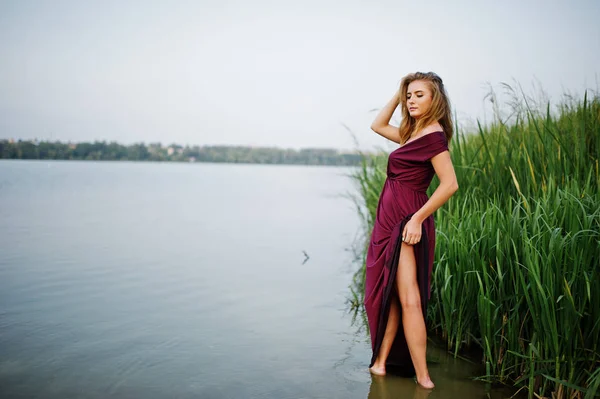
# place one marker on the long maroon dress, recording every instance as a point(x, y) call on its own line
point(409, 173)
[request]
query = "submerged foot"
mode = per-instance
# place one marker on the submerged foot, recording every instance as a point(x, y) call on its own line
point(377, 370)
point(425, 383)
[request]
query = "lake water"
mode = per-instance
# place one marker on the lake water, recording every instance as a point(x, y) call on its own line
point(165, 280)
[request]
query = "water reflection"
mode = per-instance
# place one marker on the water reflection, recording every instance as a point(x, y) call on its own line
point(391, 387)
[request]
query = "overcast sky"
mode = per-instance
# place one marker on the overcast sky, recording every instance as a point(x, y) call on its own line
point(271, 73)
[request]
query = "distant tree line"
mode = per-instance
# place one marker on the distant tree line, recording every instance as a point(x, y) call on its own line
point(103, 151)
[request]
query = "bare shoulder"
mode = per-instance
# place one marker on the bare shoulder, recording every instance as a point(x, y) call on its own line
point(434, 127)
point(424, 133)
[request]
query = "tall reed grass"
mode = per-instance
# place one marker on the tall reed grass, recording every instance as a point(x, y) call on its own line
point(517, 267)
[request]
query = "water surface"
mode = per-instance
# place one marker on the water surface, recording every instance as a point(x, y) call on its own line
point(165, 280)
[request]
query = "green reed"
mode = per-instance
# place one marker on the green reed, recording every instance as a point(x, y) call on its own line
point(516, 272)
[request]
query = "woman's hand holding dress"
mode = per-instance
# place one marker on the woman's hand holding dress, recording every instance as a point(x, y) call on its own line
point(412, 232)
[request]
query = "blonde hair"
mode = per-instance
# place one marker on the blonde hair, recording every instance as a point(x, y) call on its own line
point(438, 112)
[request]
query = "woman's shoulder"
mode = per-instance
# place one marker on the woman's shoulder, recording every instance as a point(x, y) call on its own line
point(433, 128)
point(427, 131)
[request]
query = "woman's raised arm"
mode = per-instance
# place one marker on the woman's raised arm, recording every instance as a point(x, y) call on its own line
point(381, 123)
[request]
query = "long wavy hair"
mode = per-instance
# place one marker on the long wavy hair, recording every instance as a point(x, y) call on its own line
point(438, 112)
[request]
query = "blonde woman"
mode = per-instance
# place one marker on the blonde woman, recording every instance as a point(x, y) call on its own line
point(401, 249)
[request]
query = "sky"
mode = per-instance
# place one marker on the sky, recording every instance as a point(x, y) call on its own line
point(288, 74)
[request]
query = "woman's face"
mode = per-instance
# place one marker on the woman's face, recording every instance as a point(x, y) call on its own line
point(418, 98)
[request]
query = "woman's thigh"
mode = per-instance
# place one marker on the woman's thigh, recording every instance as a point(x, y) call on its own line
point(406, 277)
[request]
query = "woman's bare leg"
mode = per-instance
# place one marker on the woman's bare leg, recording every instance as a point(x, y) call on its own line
point(388, 338)
point(412, 316)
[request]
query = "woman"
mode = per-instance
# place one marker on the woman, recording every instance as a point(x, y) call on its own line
point(400, 254)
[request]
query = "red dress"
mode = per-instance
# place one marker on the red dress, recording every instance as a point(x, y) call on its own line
point(409, 174)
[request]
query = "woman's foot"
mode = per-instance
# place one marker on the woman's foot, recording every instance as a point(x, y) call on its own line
point(425, 383)
point(377, 370)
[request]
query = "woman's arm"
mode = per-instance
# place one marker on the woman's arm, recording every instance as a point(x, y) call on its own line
point(381, 124)
point(448, 186)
